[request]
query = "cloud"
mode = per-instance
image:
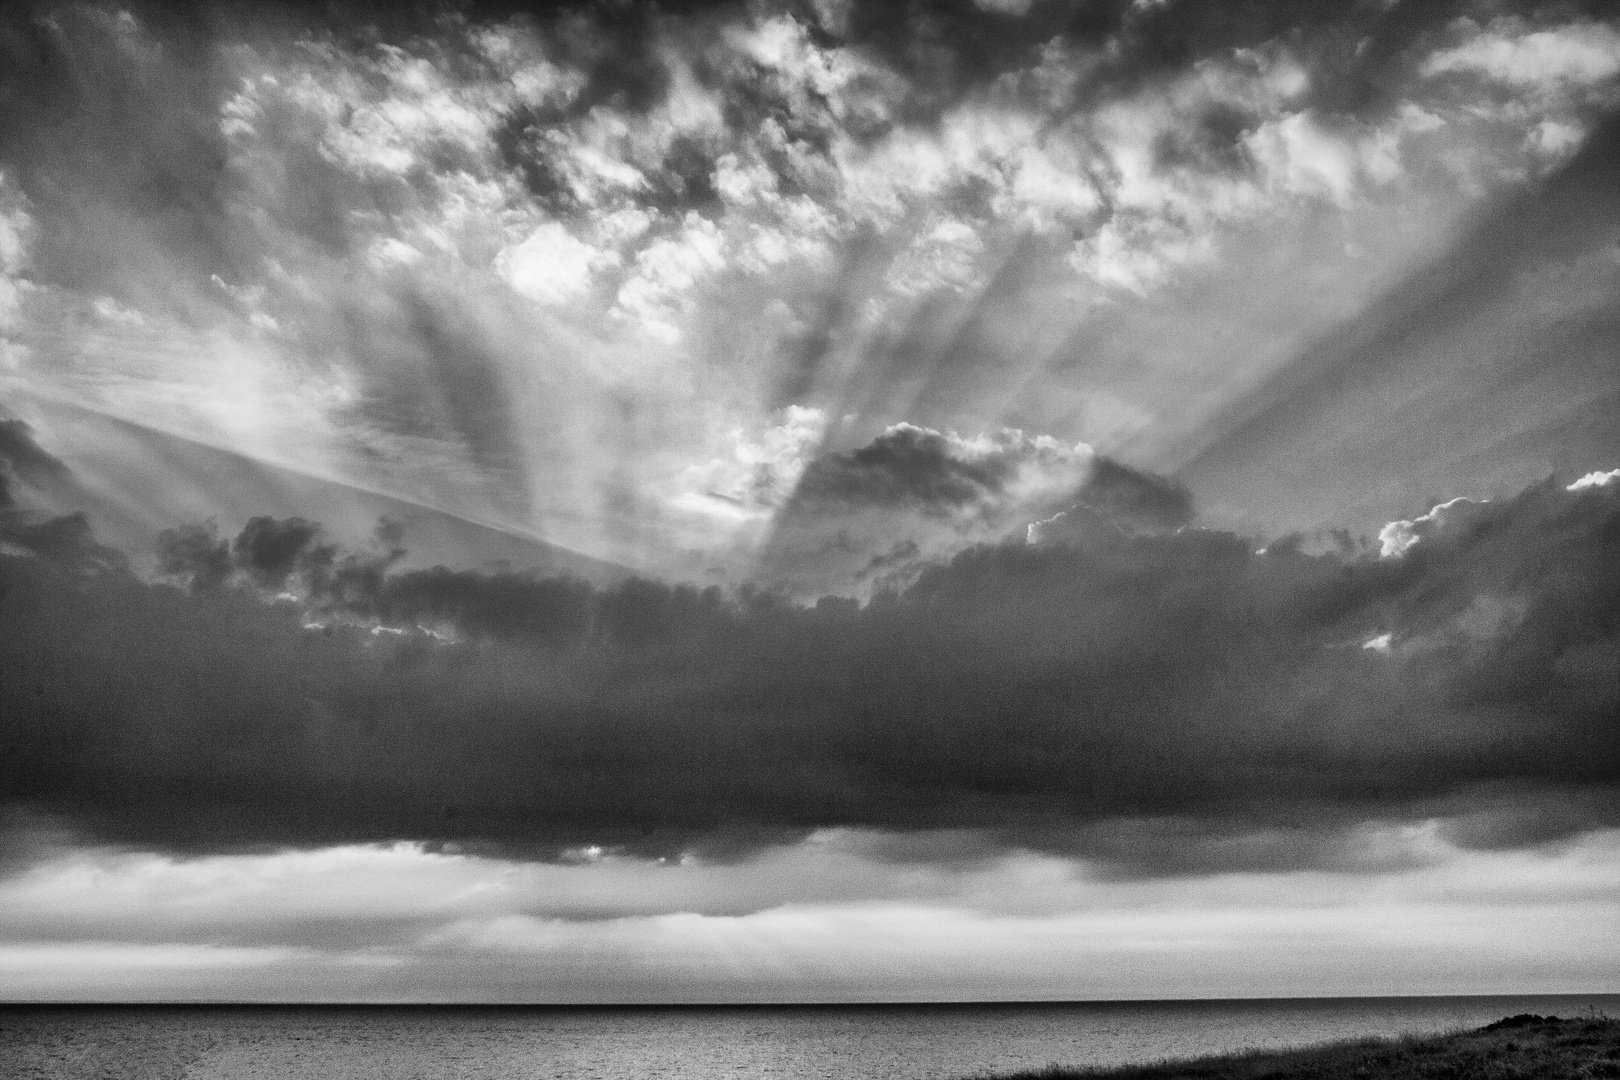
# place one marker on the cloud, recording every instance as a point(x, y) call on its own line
point(532, 268)
point(16, 229)
point(67, 542)
point(919, 490)
point(366, 922)
point(1116, 496)
point(22, 458)
point(551, 266)
point(612, 277)
point(1595, 480)
point(761, 469)
point(938, 473)
point(1507, 50)
point(1396, 538)
point(1147, 699)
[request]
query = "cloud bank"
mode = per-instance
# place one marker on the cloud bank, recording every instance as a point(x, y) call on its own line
point(1156, 698)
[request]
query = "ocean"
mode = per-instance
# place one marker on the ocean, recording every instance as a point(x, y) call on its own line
point(854, 1042)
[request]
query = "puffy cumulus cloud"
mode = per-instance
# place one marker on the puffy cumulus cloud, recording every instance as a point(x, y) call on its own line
point(1246, 135)
point(1547, 82)
point(1235, 139)
point(1595, 480)
point(666, 271)
point(1396, 538)
point(551, 266)
point(1151, 700)
point(382, 118)
point(1585, 54)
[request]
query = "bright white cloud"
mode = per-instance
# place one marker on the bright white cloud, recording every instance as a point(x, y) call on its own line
point(16, 225)
point(758, 472)
point(666, 272)
point(1506, 50)
point(1397, 538)
point(552, 266)
point(1595, 480)
point(1299, 155)
point(945, 257)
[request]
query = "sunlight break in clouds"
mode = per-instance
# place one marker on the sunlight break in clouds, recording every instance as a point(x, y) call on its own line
point(451, 267)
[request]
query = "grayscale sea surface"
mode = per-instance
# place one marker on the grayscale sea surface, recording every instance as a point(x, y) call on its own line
point(858, 1042)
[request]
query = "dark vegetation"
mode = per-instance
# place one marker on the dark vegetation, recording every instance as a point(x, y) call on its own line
point(1523, 1047)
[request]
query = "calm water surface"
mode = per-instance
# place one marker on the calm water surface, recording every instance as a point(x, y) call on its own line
point(918, 1042)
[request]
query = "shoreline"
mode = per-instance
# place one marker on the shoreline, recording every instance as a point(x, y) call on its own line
point(1518, 1047)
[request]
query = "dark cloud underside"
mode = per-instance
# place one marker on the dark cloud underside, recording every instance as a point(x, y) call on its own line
point(1040, 692)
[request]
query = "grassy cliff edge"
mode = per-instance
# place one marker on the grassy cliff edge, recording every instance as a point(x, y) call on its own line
point(1524, 1047)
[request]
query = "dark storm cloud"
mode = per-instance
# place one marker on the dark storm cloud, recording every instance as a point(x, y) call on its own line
point(270, 550)
point(265, 553)
point(1086, 696)
point(878, 512)
point(906, 467)
point(909, 469)
point(1140, 499)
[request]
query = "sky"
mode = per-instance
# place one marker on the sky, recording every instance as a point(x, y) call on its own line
point(809, 501)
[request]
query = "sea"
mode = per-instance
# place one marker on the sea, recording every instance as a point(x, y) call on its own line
point(849, 1042)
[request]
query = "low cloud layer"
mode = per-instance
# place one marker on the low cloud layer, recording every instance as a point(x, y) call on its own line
point(1161, 701)
point(841, 915)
